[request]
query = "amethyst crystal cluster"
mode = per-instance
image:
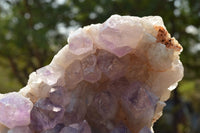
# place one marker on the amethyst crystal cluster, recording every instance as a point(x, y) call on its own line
point(111, 78)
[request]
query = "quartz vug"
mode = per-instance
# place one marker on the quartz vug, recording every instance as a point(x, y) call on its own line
point(111, 78)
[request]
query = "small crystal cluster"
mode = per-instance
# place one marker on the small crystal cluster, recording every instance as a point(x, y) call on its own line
point(111, 78)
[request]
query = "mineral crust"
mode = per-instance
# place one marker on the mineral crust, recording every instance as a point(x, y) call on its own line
point(111, 78)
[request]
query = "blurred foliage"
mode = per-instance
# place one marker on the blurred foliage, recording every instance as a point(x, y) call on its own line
point(32, 31)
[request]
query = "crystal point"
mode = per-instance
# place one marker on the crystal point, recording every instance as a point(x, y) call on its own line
point(80, 42)
point(91, 72)
point(15, 110)
point(45, 115)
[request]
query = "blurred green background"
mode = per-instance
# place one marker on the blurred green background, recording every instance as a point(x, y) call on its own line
point(32, 31)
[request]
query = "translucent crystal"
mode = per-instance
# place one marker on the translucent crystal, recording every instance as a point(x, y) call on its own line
point(91, 72)
point(48, 75)
point(15, 110)
point(76, 110)
point(139, 104)
point(80, 43)
point(58, 96)
point(105, 104)
point(110, 65)
point(45, 115)
point(73, 74)
point(117, 87)
point(118, 32)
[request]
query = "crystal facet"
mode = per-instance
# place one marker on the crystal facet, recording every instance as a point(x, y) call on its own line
point(15, 110)
point(45, 115)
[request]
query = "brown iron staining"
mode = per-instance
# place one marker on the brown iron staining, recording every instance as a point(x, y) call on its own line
point(164, 37)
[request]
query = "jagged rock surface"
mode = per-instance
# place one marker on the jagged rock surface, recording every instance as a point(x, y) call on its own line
point(111, 78)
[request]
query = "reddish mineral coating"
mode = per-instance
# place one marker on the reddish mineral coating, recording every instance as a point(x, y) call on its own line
point(165, 38)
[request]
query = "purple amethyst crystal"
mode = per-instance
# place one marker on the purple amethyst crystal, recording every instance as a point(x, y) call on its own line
point(105, 104)
point(48, 75)
point(91, 72)
point(15, 110)
point(119, 36)
point(45, 115)
point(74, 74)
point(57, 96)
point(75, 111)
point(80, 43)
point(110, 65)
point(139, 104)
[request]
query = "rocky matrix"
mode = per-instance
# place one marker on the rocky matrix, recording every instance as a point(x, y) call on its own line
point(111, 78)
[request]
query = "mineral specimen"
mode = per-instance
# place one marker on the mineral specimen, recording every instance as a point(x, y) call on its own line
point(111, 78)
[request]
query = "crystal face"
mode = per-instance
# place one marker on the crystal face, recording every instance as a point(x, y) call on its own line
point(80, 42)
point(15, 110)
point(91, 72)
point(112, 77)
point(45, 115)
